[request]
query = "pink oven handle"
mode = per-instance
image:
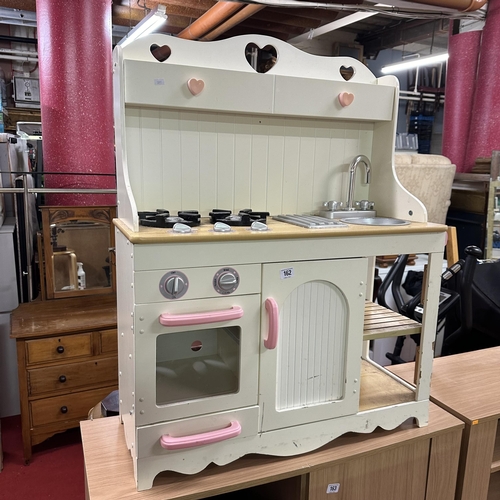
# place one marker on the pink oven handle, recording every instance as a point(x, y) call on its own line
point(272, 335)
point(235, 312)
point(179, 443)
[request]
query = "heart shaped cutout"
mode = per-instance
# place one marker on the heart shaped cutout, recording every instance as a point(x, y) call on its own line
point(261, 60)
point(160, 53)
point(346, 73)
point(346, 99)
point(195, 86)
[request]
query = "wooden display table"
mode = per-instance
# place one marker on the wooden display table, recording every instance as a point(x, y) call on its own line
point(410, 463)
point(467, 385)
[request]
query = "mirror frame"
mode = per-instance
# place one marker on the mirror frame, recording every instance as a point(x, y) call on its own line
point(58, 214)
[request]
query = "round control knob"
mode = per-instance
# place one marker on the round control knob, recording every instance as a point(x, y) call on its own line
point(226, 281)
point(60, 349)
point(174, 285)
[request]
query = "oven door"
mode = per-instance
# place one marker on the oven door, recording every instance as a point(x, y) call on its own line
point(196, 357)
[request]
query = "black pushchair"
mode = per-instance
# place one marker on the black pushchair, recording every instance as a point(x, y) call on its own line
point(467, 288)
point(476, 324)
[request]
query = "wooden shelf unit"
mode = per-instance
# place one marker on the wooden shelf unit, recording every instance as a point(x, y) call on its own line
point(14, 115)
point(467, 386)
point(473, 203)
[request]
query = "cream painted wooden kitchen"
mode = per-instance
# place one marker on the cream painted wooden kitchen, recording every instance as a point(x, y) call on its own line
point(244, 319)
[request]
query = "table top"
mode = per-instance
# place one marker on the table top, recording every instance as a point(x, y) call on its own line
point(277, 230)
point(467, 385)
point(60, 316)
point(109, 469)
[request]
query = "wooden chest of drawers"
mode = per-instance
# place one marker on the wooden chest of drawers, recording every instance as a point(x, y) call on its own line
point(67, 362)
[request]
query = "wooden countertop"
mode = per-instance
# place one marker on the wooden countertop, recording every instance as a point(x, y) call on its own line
point(467, 385)
point(54, 317)
point(277, 230)
point(110, 475)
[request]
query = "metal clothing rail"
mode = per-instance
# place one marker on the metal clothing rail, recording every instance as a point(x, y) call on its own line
point(410, 95)
point(26, 191)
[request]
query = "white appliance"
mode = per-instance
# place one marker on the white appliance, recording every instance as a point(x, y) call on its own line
point(9, 402)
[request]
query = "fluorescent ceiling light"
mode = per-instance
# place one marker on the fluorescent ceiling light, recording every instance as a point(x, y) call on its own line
point(415, 63)
point(334, 25)
point(152, 21)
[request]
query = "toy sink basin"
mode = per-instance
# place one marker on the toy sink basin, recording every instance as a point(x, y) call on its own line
point(375, 221)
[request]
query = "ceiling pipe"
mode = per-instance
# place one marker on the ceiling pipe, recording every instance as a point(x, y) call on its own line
point(212, 18)
point(459, 5)
point(237, 18)
point(18, 58)
point(17, 39)
point(19, 52)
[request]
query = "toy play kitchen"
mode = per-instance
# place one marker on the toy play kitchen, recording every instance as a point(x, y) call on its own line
point(251, 206)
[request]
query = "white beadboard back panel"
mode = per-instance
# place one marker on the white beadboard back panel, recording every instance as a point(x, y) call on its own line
point(311, 357)
point(203, 160)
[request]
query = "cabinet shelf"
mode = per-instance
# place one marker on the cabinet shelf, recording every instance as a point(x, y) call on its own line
point(381, 322)
point(378, 390)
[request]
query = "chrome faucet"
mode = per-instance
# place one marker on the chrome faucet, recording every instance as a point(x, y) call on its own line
point(352, 177)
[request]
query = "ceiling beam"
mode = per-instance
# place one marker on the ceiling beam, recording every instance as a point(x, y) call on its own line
point(177, 16)
point(28, 5)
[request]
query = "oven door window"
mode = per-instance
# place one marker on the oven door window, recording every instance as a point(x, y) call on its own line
point(197, 364)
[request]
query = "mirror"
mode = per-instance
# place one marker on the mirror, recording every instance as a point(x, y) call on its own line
point(78, 251)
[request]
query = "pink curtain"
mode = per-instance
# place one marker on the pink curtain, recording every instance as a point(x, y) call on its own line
point(484, 134)
point(75, 54)
point(460, 85)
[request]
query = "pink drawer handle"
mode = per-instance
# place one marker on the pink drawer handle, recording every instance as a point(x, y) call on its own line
point(179, 443)
point(272, 335)
point(235, 312)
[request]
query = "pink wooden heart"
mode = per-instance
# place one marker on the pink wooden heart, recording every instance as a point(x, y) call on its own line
point(346, 98)
point(195, 86)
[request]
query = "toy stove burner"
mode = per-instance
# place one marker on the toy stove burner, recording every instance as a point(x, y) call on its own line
point(162, 218)
point(245, 217)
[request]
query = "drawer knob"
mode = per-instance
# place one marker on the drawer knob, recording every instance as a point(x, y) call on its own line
point(60, 349)
point(64, 409)
point(62, 379)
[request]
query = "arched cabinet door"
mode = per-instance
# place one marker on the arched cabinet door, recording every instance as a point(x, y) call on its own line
point(311, 340)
